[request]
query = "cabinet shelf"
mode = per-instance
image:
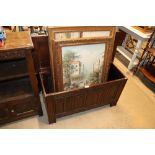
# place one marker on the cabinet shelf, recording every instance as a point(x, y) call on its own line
point(17, 89)
point(13, 69)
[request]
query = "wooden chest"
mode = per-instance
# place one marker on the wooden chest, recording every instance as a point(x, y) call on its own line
point(68, 102)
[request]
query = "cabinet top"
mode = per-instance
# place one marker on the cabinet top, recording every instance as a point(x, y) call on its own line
point(17, 40)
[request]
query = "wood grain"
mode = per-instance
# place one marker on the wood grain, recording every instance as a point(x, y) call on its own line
point(16, 41)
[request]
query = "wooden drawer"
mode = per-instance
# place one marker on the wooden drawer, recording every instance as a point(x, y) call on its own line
point(24, 107)
point(18, 109)
point(4, 113)
point(64, 103)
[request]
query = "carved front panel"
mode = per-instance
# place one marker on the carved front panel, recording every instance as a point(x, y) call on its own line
point(92, 97)
point(70, 103)
point(102, 95)
point(24, 107)
point(73, 101)
point(60, 106)
point(107, 94)
point(79, 101)
point(12, 55)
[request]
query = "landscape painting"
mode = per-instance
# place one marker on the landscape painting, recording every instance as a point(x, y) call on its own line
point(82, 65)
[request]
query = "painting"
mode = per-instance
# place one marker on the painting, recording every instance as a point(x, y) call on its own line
point(131, 44)
point(82, 65)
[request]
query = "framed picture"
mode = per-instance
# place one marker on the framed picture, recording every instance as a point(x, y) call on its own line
point(130, 44)
point(60, 34)
point(80, 63)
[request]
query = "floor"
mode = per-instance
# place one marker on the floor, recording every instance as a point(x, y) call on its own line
point(135, 109)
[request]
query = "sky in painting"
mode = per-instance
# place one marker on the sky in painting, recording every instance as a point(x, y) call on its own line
point(89, 54)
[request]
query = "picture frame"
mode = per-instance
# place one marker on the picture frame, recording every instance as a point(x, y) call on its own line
point(89, 33)
point(131, 43)
point(92, 68)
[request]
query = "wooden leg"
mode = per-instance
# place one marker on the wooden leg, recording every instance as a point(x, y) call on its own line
point(51, 110)
point(118, 93)
point(31, 71)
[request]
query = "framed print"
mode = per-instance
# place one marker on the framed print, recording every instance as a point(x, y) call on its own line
point(81, 63)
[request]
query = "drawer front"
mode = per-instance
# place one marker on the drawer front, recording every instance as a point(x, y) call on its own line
point(4, 113)
point(18, 109)
point(24, 107)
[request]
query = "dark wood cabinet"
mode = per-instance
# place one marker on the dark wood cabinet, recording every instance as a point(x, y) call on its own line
point(19, 94)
